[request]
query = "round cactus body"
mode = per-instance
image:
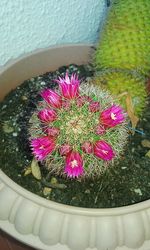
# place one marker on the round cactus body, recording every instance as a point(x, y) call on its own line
point(123, 82)
point(77, 131)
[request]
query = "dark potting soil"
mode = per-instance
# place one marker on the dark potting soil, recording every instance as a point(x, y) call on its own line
point(127, 182)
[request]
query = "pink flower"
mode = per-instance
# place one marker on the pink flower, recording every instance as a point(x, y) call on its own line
point(47, 115)
point(87, 147)
point(103, 150)
point(65, 149)
point(42, 146)
point(52, 132)
point(74, 165)
point(100, 130)
point(52, 98)
point(94, 106)
point(69, 86)
point(112, 116)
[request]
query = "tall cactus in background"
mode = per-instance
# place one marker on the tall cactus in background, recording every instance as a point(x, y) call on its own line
point(125, 45)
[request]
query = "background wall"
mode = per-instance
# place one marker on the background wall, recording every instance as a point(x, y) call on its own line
point(26, 25)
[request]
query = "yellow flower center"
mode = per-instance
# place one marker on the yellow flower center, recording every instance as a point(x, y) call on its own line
point(113, 116)
point(105, 152)
point(74, 163)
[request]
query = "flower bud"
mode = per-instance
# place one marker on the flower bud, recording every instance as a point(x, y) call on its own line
point(94, 106)
point(103, 150)
point(52, 98)
point(47, 115)
point(42, 147)
point(69, 86)
point(65, 149)
point(87, 147)
point(52, 131)
point(112, 116)
point(100, 130)
point(74, 165)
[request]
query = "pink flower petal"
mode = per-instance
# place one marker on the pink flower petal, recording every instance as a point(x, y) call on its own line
point(74, 165)
point(69, 86)
point(47, 115)
point(112, 116)
point(41, 147)
point(52, 98)
point(103, 150)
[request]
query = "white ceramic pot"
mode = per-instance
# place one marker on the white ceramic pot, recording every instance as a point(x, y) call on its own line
point(48, 225)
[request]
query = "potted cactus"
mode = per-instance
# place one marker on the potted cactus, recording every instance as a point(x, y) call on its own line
point(78, 132)
point(75, 126)
point(46, 224)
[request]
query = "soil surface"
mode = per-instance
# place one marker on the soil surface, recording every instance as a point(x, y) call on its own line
point(127, 182)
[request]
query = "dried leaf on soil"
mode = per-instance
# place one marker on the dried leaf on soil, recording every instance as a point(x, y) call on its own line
point(145, 143)
point(36, 169)
point(148, 154)
point(27, 171)
point(130, 110)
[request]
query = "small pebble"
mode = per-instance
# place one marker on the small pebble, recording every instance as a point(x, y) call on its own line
point(47, 191)
point(124, 167)
point(87, 191)
point(138, 191)
point(7, 128)
point(43, 83)
point(74, 198)
point(24, 98)
point(53, 180)
point(4, 106)
point(133, 149)
point(15, 134)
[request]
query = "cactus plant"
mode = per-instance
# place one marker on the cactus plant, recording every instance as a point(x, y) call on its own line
point(125, 40)
point(123, 82)
point(124, 50)
point(77, 131)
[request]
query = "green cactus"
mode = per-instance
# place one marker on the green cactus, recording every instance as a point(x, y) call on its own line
point(123, 52)
point(77, 129)
point(125, 39)
point(124, 82)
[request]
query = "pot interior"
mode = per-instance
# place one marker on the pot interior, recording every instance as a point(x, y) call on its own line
point(38, 63)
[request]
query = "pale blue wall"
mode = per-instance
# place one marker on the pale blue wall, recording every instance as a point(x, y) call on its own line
point(26, 25)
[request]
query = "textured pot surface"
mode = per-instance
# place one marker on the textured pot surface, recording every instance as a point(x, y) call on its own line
point(48, 225)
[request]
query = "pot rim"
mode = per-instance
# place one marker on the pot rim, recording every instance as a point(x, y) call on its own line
point(72, 209)
point(14, 61)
